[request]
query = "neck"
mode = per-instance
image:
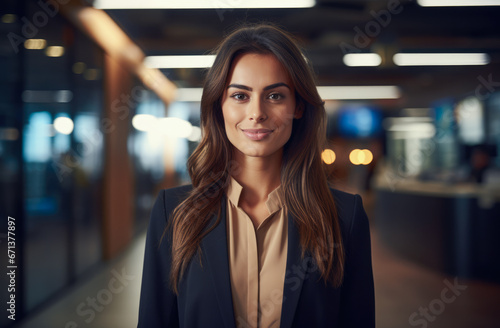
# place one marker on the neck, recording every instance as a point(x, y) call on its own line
point(257, 175)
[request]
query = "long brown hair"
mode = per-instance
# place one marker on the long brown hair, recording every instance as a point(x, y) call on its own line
point(303, 178)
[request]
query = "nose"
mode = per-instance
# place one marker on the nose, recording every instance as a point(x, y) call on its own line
point(257, 112)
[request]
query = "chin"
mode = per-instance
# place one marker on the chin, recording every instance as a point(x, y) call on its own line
point(257, 149)
point(261, 152)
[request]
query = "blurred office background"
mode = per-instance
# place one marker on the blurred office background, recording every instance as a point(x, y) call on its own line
point(96, 117)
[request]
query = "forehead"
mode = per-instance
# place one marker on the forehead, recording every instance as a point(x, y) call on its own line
point(258, 69)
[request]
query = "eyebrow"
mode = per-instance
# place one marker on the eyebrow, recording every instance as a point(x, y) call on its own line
point(269, 87)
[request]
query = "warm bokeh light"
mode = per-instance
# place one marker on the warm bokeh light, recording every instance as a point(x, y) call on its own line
point(368, 156)
point(361, 157)
point(91, 74)
point(79, 67)
point(64, 125)
point(54, 51)
point(328, 156)
point(354, 157)
point(9, 18)
point(35, 44)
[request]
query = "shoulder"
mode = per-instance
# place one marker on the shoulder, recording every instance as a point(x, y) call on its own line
point(345, 201)
point(174, 196)
point(166, 201)
point(350, 211)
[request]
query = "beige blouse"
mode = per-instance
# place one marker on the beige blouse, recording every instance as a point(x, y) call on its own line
point(257, 260)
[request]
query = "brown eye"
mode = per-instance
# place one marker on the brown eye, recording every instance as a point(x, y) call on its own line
point(276, 96)
point(239, 96)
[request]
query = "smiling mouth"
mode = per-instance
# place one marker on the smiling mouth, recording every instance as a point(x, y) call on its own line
point(257, 134)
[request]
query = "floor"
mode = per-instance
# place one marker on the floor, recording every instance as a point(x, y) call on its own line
point(407, 295)
point(110, 299)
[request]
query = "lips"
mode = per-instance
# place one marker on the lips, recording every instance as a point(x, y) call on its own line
point(257, 134)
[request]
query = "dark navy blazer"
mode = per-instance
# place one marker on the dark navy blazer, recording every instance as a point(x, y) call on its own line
point(204, 298)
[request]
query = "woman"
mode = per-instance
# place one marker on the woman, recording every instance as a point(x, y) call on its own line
point(258, 239)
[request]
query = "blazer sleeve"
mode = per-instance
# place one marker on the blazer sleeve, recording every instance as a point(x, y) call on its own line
point(158, 304)
point(357, 296)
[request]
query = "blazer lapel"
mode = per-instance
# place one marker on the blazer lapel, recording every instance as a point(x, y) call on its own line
point(214, 248)
point(293, 279)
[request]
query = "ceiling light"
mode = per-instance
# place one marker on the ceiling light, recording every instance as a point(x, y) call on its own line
point(91, 74)
point(354, 60)
point(202, 61)
point(79, 67)
point(33, 44)
point(9, 18)
point(200, 4)
point(457, 3)
point(443, 59)
point(359, 92)
point(54, 51)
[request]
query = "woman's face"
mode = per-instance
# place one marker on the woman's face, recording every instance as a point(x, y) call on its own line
point(258, 105)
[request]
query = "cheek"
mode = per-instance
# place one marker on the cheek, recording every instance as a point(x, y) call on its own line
point(230, 115)
point(283, 120)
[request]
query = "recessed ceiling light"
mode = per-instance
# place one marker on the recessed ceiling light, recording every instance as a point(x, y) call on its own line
point(354, 60)
point(359, 92)
point(34, 44)
point(200, 4)
point(79, 67)
point(9, 18)
point(54, 51)
point(202, 61)
point(441, 59)
point(458, 3)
